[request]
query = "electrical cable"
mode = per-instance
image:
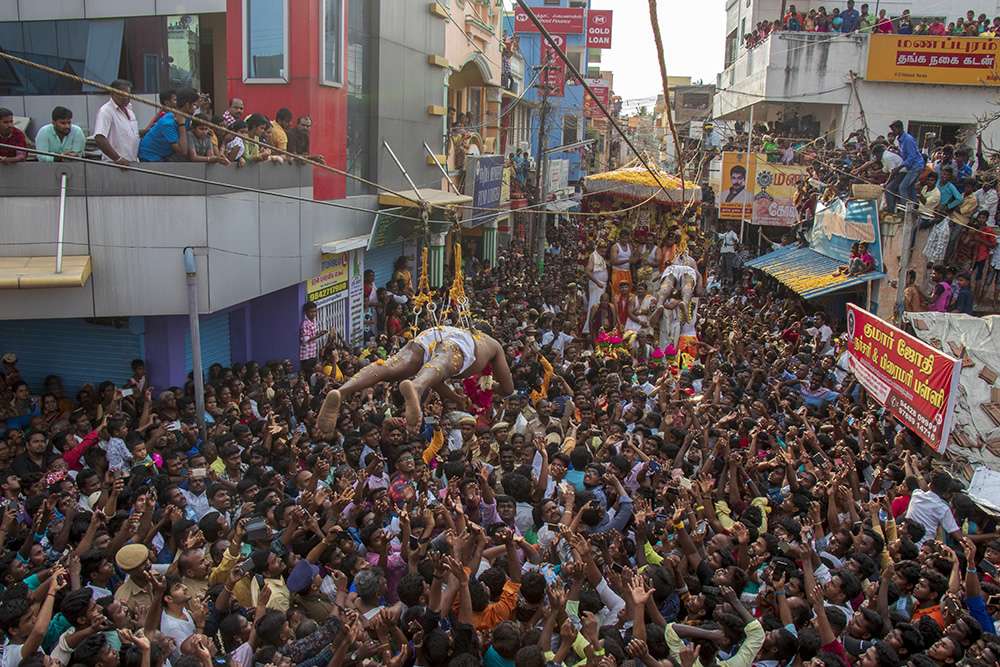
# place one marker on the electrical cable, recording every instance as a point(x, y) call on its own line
point(576, 73)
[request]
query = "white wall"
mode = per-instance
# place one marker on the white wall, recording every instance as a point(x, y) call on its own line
point(814, 68)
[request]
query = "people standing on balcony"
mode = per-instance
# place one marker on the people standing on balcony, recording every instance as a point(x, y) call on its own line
point(836, 21)
point(866, 22)
point(850, 17)
point(168, 98)
point(809, 22)
point(793, 19)
point(884, 24)
point(200, 146)
point(256, 125)
point(905, 23)
point(116, 131)
point(12, 140)
point(298, 136)
point(279, 128)
point(234, 112)
point(60, 136)
point(167, 141)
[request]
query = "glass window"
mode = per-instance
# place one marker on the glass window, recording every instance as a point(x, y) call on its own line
point(266, 39)
point(570, 134)
point(331, 40)
point(475, 108)
point(183, 45)
point(360, 63)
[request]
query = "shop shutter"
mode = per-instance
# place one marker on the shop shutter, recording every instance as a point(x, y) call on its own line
point(381, 260)
point(78, 351)
point(215, 343)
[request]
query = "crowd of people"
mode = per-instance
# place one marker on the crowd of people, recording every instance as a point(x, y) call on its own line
point(169, 137)
point(741, 502)
point(850, 20)
point(950, 187)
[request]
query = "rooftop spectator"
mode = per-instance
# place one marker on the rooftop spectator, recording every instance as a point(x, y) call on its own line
point(298, 139)
point(282, 123)
point(884, 23)
point(60, 136)
point(168, 99)
point(116, 130)
point(850, 18)
point(256, 125)
point(200, 146)
point(165, 142)
point(866, 21)
point(234, 112)
point(905, 23)
point(12, 140)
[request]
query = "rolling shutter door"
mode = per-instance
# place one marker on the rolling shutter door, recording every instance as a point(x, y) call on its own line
point(381, 260)
point(215, 343)
point(76, 350)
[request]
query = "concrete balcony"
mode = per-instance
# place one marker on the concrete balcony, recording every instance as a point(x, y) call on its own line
point(134, 227)
point(794, 67)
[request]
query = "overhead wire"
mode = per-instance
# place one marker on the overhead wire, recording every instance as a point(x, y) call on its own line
point(187, 116)
point(302, 159)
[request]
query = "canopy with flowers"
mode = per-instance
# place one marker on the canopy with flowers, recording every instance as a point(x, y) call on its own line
point(634, 181)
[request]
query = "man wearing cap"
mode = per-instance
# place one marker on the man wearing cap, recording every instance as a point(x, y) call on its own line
point(467, 427)
point(485, 449)
point(303, 583)
point(137, 589)
point(501, 431)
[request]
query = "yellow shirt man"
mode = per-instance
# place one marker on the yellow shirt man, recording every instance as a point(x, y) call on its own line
point(278, 137)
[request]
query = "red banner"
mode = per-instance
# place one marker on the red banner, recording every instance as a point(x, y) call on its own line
point(562, 20)
point(911, 379)
point(603, 93)
point(599, 29)
point(554, 76)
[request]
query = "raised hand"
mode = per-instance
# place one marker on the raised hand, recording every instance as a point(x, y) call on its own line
point(640, 592)
point(637, 648)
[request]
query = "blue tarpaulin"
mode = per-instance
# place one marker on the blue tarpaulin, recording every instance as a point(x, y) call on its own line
point(807, 272)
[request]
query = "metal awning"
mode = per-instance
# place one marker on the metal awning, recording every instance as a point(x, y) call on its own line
point(807, 272)
point(562, 205)
point(435, 197)
point(344, 245)
point(40, 272)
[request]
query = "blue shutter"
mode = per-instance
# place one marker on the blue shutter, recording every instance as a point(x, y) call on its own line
point(76, 350)
point(215, 343)
point(381, 260)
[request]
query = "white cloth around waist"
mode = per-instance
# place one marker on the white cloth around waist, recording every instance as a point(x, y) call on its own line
point(435, 336)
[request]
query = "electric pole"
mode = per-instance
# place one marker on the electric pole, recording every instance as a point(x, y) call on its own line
point(543, 181)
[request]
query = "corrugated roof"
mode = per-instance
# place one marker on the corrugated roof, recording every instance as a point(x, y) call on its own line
point(807, 272)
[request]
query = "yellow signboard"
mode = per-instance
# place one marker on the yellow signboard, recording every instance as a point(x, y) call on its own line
point(333, 278)
point(970, 61)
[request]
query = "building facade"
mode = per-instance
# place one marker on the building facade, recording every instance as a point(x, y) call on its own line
point(265, 237)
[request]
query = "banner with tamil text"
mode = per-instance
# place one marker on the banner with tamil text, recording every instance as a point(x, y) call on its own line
point(914, 381)
point(774, 187)
point(970, 61)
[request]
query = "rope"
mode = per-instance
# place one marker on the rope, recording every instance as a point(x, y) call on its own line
point(218, 128)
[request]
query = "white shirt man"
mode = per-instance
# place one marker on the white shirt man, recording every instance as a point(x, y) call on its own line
point(930, 510)
point(116, 129)
point(728, 241)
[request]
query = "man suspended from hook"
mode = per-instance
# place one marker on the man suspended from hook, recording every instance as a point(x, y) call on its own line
point(433, 357)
